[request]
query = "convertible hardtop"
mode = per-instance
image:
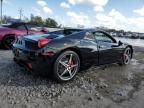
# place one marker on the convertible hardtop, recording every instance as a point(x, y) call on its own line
point(66, 32)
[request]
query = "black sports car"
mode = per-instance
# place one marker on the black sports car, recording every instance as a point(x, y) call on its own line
point(63, 53)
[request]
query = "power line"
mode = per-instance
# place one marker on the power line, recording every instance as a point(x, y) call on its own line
point(20, 13)
point(1, 10)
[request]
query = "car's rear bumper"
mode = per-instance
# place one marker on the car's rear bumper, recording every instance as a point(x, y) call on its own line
point(36, 64)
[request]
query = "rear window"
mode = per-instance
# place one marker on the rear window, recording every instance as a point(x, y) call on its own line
point(69, 32)
point(52, 36)
point(66, 32)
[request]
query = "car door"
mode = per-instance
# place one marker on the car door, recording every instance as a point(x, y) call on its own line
point(108, 48)
point(88, 48)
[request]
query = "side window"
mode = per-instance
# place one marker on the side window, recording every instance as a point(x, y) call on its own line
point(100, 36)
point(69, 31)
point(89, 36)
point(21, 27)
point(32, 27)
point(60, 32)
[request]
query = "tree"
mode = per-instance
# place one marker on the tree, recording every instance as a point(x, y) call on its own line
point(6, 19)
point(37, 20)
point(49, 22)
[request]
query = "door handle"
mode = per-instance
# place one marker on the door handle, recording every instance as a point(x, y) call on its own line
point(115, 45)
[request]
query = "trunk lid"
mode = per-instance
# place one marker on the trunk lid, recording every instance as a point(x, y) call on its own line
point(31, 41)
point(37, 37)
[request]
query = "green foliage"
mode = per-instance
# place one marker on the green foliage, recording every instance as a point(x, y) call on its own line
point(49, 22)
point(5, 19)
point(37, 20)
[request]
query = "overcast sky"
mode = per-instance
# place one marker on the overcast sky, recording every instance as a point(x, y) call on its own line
point(118, 14)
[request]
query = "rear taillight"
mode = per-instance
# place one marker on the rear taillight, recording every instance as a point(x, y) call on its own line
point(43, 42)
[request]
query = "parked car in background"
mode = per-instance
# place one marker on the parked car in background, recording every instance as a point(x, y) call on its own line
point(63, 53)
point(8, 32)
point(113, 34)
point(141, 35)
point(135, 36)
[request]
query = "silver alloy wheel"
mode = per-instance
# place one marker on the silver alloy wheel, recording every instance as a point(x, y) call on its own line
point(127, 56)
point(68, 66)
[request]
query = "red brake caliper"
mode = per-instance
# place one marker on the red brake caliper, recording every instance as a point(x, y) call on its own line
point(71, 63)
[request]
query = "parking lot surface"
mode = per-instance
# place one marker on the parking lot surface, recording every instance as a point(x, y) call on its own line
point(109, 86)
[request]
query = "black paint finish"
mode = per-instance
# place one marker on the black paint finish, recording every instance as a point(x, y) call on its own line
point(84, 42)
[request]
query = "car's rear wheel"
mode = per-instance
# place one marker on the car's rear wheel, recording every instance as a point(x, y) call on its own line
point(66, 66)
point(127, 55)
point(8, 41)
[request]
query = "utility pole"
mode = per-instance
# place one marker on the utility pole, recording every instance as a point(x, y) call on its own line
point(1, 10)
point(20, 13)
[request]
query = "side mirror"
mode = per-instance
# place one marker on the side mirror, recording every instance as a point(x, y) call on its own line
point(120, 43)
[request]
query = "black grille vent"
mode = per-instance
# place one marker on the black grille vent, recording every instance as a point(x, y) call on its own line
point(31, 45)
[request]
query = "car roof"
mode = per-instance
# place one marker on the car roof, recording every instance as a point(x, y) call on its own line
point(79, 30)
point(81, 34)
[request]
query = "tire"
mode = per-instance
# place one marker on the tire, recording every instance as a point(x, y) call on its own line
point(8, 41)
point(126, 57)
point(66, 66)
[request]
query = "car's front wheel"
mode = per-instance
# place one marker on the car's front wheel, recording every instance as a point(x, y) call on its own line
point(127, 55)
point(66, 66)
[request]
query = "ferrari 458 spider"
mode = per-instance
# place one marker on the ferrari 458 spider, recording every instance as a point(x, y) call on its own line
point(63, 53)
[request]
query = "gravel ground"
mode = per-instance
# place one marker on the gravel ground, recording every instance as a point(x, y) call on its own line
point(109, 86)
